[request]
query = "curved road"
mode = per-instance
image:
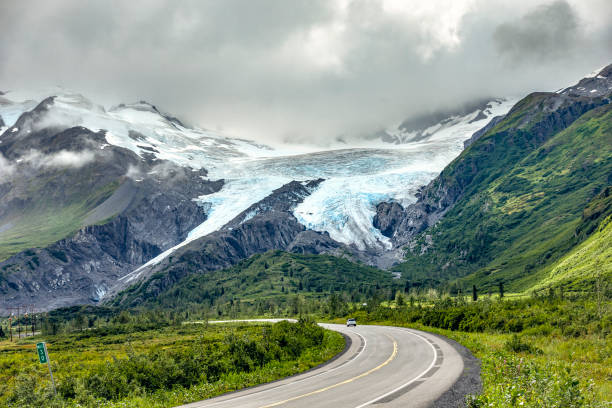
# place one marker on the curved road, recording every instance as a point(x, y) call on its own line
point(383, 367)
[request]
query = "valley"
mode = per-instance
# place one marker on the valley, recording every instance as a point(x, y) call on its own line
point(489, 226)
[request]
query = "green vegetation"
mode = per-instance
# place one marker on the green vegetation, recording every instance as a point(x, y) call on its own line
point(528, 204)
point(262, 285)
point(122, 365)
point(50, 219)
point(591, 262)
point(535, 352)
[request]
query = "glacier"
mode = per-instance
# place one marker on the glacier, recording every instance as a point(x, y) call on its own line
point(356, 179)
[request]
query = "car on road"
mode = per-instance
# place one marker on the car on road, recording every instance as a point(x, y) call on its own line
point(351, 322)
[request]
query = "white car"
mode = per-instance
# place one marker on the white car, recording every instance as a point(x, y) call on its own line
point(351, 322)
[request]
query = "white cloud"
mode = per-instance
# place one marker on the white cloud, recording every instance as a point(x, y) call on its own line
point(60, 159)
point(7, 169)
point(304, 70)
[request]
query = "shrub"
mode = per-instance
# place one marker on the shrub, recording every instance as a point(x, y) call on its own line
point(517, 344)
point(517, 383)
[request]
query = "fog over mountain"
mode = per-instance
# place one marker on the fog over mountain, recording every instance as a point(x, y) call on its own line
point(301, 71)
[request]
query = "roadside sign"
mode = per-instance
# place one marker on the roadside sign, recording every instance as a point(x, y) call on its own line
point(42, 352)
point(43, 357)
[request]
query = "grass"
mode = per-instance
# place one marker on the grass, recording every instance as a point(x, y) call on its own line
point(551, 371)
point(535, 352)
point(152, 359)
point(48, 221)
point(589, 261)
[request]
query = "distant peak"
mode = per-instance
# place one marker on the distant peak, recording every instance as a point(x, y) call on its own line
point(144, 106)
point(140, 105)
point(605, 72)
point(597, 84)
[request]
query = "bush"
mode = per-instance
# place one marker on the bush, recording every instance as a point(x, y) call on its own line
point(199, 362)
point(29, 393)
point(518, 383)
point(516, 344)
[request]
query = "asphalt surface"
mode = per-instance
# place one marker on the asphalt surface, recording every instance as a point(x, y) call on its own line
point(383, 367)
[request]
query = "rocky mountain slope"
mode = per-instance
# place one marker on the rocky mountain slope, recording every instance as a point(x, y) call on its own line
point(93, 199)
point(77, 213)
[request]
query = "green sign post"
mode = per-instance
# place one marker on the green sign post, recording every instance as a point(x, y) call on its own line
point(43, 357)
point(42, 352)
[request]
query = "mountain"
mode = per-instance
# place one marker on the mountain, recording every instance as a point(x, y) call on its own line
point(76, 213)
point(510, 207)
point(130, 202)
point(423, 126)
point(93, 200)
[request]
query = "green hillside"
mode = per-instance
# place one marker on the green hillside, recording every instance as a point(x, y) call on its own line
point(523, 200)
point(274, 275)
point(587, 265)
point(53, 215)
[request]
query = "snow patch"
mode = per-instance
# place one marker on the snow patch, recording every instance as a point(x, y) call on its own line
point(356, 179)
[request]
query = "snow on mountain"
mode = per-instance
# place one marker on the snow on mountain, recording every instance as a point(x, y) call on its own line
point(356, 179)
point(440, 124)
point(10, 110)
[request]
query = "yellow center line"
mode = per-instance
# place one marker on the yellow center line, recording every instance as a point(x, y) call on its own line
point(343, 382)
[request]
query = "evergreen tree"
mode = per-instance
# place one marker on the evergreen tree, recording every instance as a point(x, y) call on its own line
point(399, 299)
point(474, 293)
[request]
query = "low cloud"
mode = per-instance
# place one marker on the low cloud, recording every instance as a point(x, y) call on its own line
point(7, 169)
point(165, 171)
point(134, 173)
point(549, 31)
point(61, 159)
point(301, 70)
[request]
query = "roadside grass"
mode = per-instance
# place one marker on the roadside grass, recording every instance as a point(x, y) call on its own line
point(543, 352)
point(161, 367)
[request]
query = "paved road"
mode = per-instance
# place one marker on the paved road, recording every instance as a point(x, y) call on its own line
point(383, 367)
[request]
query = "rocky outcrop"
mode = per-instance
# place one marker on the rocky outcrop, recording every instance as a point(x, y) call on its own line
point(127, 210)
point(476, 135)
point(268, 224)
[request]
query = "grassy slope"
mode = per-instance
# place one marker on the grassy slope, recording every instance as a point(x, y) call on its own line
point(520, 215)
point(590, 261)
point(51, 217)
point(263, 277)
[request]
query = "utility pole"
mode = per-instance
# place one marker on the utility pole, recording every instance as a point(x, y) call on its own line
point(11, 311)
point(25, 321)
point(33, 321)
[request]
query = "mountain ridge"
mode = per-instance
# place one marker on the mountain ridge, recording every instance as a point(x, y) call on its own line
point(459, 224)
point(168, 201)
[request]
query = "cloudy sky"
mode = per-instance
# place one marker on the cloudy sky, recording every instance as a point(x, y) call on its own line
point(301, 70)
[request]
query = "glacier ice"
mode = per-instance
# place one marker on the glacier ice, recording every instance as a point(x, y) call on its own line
point(356, 179)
